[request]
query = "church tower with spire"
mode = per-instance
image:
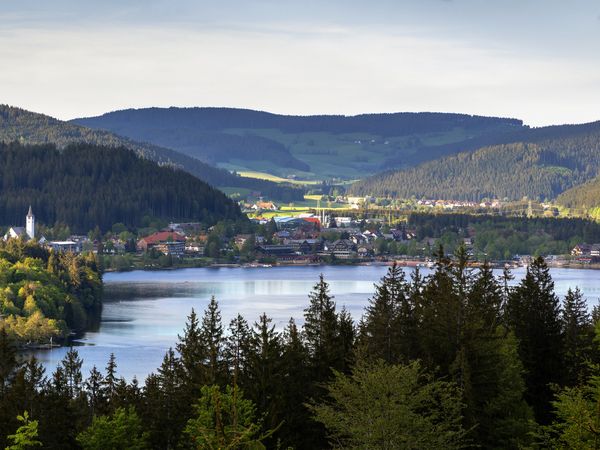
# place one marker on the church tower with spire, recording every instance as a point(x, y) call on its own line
point(30, 224)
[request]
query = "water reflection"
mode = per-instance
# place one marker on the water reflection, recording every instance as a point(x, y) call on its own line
point(144, 311)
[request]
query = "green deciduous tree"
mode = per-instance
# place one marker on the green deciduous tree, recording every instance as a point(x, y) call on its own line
point(122, 430)
point(224, 420)
point(26, 436)
point(384, 406)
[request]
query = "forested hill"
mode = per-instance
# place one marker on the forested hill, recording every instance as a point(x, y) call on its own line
point(544, 164)
point(19, 125)
point(307, 146)
point(84, 185)
point(584, 197)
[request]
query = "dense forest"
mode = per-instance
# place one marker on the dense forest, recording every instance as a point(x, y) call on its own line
point(537, 170)
point(86, 186)
point(18, 125)
point(497, 238)
point(585, 196)
point(457, 359)
point(45, 294)
point(502, 136)
point(356, 145)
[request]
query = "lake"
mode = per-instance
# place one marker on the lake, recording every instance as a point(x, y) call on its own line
point(145, 311)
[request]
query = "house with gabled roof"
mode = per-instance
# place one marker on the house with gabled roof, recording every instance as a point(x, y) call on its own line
point(162, 239)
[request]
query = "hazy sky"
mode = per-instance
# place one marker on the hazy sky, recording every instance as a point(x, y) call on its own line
point(538, 60)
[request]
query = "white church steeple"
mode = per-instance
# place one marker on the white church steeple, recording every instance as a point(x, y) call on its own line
point(30, 224)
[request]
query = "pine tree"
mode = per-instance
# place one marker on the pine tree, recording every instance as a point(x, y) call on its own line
point(321, 330)
point(578, 334)
point(71, 365)
point(442, 310)
point(59, 432)
point(172, 396)
point(265, 383)
point(94, 386)
point(8, 362)
point(212, 334)
point(485, 299)
point(237, 350)
point(385, 326)
point(110, 381)
point(295, 431)
point(27, 386)
point(534, 314)
point(192, 352)
point(347, 338)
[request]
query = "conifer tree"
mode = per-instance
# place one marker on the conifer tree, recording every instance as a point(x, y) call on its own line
point(60, 432)
point(94, 386)
point(110, 380)
point(265, 384)
point(71, 365)
point(321, 330)
point(347, 337)
point(172, 396)
point(295, 431)
point(534, 314)
point(8, 362)
point(237, 350)
point(192, 352)
point(578, 334)
point(387, 326)
point(442, 312)
point(212, 334)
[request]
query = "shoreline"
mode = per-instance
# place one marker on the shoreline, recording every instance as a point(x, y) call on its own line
point(399, 262)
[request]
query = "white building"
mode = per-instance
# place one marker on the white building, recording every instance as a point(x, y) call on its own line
point(23, 232)
point(30, 224)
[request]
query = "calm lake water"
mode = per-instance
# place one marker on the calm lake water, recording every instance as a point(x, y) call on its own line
point(145, 311)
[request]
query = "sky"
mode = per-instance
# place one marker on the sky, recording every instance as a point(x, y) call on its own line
point(536, 60)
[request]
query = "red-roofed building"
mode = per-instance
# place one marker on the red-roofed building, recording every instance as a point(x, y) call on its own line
point(314, 220)
point(161, 241)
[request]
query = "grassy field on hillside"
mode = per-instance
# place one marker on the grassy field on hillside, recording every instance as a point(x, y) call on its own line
point(274, 178)
point(338, 156)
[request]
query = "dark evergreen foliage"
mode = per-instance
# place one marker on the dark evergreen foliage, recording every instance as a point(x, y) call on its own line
point(18, 125)
point(233, 135)
point(534, 313)
point(86, 186)
point(585, 196)
point(132, 121)
point(490, 346)
point(540, 166)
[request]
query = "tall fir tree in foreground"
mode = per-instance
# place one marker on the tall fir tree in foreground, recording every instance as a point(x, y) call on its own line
point(321, 331)
point(534, 313)
point(388, 325)
point(578, 337)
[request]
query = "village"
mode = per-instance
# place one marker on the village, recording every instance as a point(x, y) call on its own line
point(318, 237)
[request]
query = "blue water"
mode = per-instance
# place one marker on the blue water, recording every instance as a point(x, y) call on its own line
point(145, 311)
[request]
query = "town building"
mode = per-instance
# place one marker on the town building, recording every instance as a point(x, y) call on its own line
point(26, 232)
point(65, 246)
point(164, 241)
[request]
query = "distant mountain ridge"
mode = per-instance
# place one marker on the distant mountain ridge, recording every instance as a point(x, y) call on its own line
point(537, 163)
point(317, 147)
point(19, 125)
